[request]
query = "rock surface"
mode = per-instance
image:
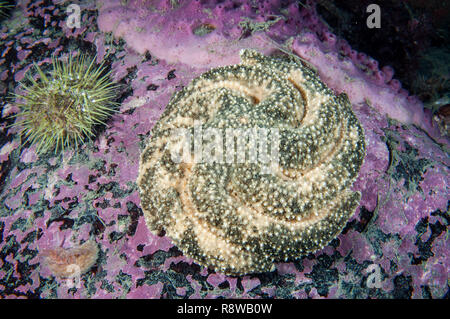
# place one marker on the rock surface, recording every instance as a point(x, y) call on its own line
point(396, 244)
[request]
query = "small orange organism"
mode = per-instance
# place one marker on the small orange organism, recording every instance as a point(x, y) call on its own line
point(64, 263)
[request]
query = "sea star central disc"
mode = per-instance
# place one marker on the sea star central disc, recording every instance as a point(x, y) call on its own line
point(251, 164)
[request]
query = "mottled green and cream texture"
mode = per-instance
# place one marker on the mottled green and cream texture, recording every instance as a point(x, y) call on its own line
point(235, 217)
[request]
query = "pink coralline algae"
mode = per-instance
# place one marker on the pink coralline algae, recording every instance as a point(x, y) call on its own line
point(198, 33)
point(395, 246)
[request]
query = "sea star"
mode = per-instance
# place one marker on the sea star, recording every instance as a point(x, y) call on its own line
point(242, 216)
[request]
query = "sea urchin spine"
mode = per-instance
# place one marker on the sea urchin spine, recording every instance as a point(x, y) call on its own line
point(60, 110)
point(4, 5)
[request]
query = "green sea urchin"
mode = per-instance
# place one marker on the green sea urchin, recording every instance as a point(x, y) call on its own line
point(60, 110)
point(4, 5)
